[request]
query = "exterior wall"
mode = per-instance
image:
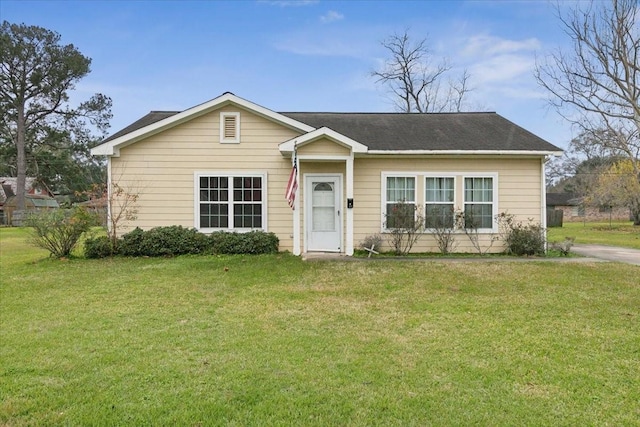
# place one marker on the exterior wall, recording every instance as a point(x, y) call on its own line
point(323, 147)
point(161, 169)
point(519, 191)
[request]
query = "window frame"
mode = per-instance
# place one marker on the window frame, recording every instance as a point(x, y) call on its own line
point(385, 202)
point(452, 203)
point(223, 138)
point(231, 203)
point(494, 198)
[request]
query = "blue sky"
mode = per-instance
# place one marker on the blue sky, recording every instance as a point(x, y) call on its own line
point(299, 55)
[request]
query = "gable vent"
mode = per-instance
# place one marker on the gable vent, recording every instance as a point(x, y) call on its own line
point(230, 127)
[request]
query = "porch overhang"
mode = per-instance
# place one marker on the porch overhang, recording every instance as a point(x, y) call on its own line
point(287, 148)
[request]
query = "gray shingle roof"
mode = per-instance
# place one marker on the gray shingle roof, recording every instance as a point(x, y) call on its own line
point(437, 131)
point(562, 199)
point(149, 119)
point(414, 131)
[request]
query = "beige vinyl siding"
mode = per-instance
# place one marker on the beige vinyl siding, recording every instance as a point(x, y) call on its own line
point(323, 147)
point(162, 167)
point(518, 186)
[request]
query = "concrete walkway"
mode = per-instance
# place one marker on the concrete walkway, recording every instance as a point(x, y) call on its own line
point(588, 253)
point(608, 253)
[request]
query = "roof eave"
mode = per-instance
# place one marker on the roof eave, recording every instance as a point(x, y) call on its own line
point(289, 146)
point(468, 152)
point(111, 148)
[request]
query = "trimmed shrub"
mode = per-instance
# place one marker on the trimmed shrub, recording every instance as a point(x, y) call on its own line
point(254, 242)
point(177, 240)
point(172, 240)
point(131, 243)
point(98, 247)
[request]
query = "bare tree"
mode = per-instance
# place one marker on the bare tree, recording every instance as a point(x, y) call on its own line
point(418, 82)
point(581, 163)
point(596, 86)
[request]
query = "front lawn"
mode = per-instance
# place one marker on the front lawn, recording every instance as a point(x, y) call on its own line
point(273, 340)
point(618, 233)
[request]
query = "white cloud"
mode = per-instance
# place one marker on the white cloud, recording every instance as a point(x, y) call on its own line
point(312, 42)
point(331, 16)
point(501, 68)
point(486, 45)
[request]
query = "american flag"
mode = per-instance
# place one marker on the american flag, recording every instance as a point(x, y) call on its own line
point(292, 185)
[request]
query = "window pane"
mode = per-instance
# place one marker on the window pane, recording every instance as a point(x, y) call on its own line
point(439, 189)
point(478, 189)
point(400, 189)
point(478, 216)
point(439, 216)
point(400, 215)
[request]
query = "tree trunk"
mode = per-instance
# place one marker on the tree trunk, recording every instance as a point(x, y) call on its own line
point(21, 159)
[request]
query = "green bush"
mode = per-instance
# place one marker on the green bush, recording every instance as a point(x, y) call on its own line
point(172, 240)
point(254, 242)
point(131, 243)
point(177, 240)
point(59, 230)
point(98, 247)
point(524, 239)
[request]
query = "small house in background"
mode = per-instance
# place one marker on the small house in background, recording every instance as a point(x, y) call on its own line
point(38, 196)
point(98, 207)
point(574, 209)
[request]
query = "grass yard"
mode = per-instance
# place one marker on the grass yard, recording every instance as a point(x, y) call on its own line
point(619, 233)
point(273, 340)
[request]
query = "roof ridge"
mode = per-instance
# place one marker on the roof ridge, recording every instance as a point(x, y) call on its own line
point(387, 112)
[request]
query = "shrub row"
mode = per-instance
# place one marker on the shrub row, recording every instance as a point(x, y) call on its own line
point(177, 240)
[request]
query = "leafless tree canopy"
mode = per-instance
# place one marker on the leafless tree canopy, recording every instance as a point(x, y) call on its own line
point(596, 85)
point(418, 82)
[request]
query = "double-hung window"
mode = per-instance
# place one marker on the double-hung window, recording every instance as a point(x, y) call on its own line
point(231, 201)
point(400, 201)
point(439, 202)
point(478, 202)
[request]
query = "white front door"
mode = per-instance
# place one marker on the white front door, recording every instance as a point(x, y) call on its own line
point(322, 213)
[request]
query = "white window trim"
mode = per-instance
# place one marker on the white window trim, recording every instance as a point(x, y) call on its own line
point(455, 194)
point(494, 203)
point(383, 205)
point(223, 139)
point(458, 177)
point(229, 174)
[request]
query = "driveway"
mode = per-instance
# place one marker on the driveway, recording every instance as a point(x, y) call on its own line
point(609, 253)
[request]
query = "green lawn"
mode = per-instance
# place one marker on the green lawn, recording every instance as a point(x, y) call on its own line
point(273, 340)
point(618, 233)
